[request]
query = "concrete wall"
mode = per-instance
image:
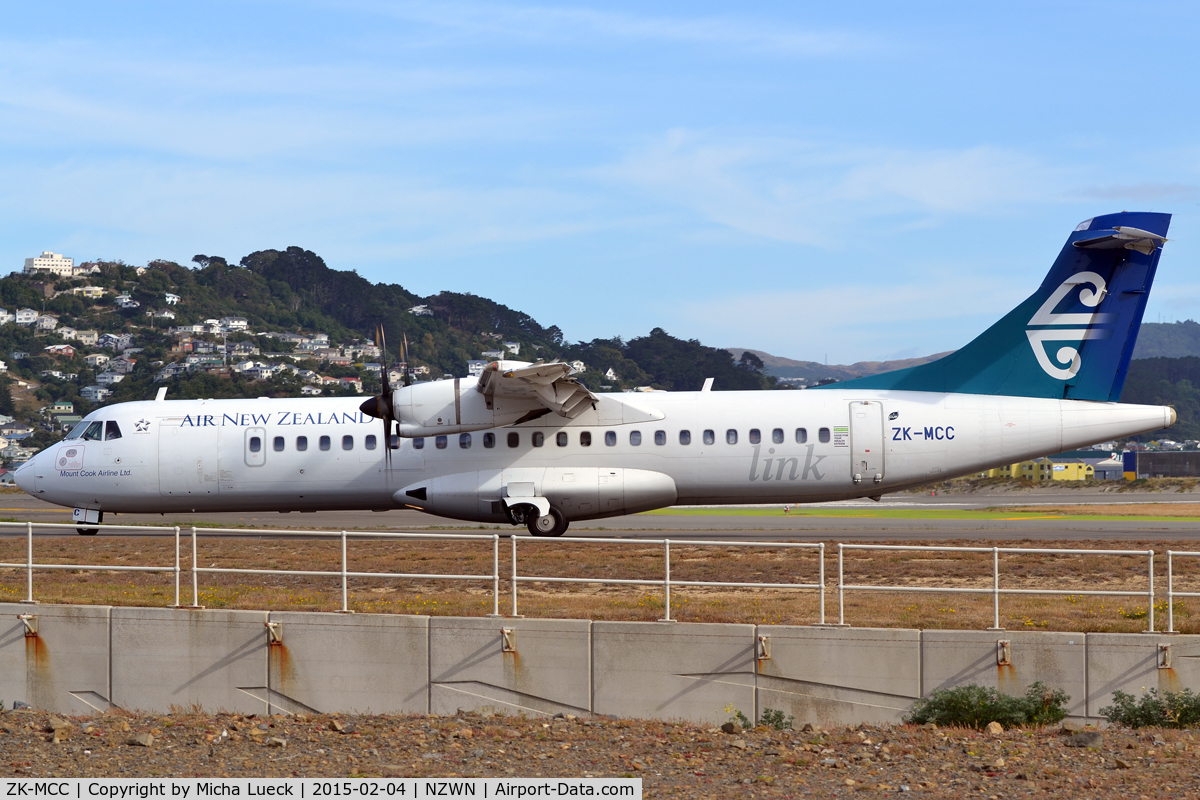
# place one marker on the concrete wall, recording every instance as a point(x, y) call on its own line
point(87, 658)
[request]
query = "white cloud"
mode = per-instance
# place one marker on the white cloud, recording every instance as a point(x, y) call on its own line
point(851, 321)
point(814, 192)
point(561, 25)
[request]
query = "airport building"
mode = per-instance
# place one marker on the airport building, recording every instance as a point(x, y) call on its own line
point(1049, 468)
point(1161, 464)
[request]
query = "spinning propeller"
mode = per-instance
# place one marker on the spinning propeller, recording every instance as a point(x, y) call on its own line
point(381, 406)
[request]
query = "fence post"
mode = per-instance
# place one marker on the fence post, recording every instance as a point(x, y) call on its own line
point(667, 579)
point(176, 566)
point(513, 537)
point(1170, 596)
point(195, 580)
point(841, 596)
point(996, 589)
point(345, 606)
point(29, 561)
point(1150, 615)
point(495, 574)
point(821, 577)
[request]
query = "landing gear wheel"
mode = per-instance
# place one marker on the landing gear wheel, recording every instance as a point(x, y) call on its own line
point(91, 531)
point(552, 524)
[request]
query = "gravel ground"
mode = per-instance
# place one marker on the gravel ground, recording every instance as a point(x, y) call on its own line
point(673, 759)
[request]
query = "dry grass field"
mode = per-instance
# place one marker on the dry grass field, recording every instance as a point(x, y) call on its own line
point(632, 560)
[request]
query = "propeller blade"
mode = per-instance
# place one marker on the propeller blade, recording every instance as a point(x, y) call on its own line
point(407, 365)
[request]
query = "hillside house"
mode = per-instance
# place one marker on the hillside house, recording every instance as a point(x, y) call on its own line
point(122, 364)
point(234, 323)
point(96, 360)
point(109, 378)
point(46, 322)
point(88, 292)
point(64, 350)
point(51, 373)
point(420, 311)
point(170, 299)
point(351, 383)
point(6, 316)
point(475, 367)
point(67, 332)
point(61, 407)
point(26, 316)
point(96, 394)
point(88, 338)
point(513, 347)
point(492, 355)
point(115, 341)
point(309, 390)
point(165, 313)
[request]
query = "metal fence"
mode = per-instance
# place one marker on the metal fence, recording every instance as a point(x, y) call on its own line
point(666, 581)
point(345, 574)
point(995, 590)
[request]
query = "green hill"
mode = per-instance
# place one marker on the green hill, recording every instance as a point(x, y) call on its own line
point(1168, 340)
point(294, 291)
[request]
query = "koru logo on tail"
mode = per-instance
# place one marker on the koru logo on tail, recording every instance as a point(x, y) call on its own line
point(1067, 327)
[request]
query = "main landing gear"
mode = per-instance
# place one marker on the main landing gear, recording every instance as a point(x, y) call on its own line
point(552, 524)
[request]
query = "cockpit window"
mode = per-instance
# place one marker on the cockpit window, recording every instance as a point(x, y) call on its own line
point(111, 431)
point(94, 432)
point(77, 431)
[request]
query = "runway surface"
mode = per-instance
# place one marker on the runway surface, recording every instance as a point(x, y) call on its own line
point(17, 506)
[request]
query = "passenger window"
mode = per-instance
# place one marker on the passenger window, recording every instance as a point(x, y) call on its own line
point(394, 441)
point(755, 436)
point(801, 435)
point(489, 440)
point(464, 441)
point(419, 443)
point(277, 443)
point(731, 436)
point(255, 444)
point(709, 437)
point(660, 437)
point(94, 432)
point(777, 436)
point(514, 440)
point(823, 435)
point(635, 438)
point(561, 439)
point(439, 442)
point(585, 439)
point(324, 443)
point(539, 439)
point(610, 438)
point(111, 431)
point(347, 442)
point(301, 443)
point(685, 437)
point(369, 442)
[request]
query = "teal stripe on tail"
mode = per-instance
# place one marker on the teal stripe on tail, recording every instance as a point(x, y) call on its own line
point(1073, 337)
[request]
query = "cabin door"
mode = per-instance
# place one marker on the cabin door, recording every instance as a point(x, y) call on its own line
point(187, 459)
point(866, 442)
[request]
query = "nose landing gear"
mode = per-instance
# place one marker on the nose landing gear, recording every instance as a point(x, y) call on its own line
point(91, 531)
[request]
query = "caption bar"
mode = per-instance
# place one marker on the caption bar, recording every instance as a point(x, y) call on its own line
point(308, 789)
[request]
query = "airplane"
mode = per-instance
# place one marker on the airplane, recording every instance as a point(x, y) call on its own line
point(527, 443)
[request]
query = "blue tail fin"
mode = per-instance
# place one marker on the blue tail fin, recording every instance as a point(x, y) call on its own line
point(1073, 337)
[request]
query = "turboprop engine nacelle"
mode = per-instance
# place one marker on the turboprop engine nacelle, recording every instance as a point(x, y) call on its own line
point(455, 406)
point(577, 492)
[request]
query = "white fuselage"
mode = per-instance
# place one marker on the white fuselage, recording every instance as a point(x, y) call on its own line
point(646, 451)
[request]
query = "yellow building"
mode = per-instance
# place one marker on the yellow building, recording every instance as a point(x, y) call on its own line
point(1043, 469)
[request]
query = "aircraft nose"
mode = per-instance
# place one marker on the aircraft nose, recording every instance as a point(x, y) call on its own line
point(24, 478)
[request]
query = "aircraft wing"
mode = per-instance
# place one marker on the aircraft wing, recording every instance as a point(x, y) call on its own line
point(550, 384)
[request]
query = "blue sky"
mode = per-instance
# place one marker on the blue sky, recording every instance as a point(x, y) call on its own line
point(855, 180)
